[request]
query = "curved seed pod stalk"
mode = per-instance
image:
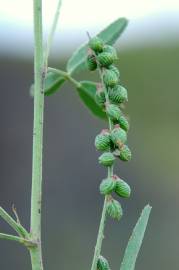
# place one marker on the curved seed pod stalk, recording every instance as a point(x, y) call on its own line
point(115, 138)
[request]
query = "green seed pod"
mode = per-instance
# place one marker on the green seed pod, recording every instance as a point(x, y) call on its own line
point(112, 50)
point(113, 111)
point(91, 62)
point(107, 159)
point(114, 209)
point(102, 141)
point(107, 186)
point(125, 153)
point(102, 264)
point(105, 59)
point(118, 136)
point(110, 78)
point(100, 98)
point(122, 189)
point(115, 69)
point(124, 124)
point(96, 44)
point(118, 94)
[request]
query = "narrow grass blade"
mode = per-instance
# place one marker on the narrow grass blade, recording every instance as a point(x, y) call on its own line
point(135, 241)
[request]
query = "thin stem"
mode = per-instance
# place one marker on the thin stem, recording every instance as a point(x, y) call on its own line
point(36, 194)
point(16, 226)
point(52, 32)
point(100, 236)
point(20, 240)
point(66, 76)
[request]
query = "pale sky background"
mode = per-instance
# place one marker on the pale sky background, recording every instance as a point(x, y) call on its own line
point(150, 21)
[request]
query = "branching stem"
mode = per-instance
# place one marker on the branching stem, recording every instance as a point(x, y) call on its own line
point(16, 226)
point(20, 240)
point(66, 76)
point(40, 70)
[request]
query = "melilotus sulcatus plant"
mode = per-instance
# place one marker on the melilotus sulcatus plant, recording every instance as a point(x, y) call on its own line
point(105, 100)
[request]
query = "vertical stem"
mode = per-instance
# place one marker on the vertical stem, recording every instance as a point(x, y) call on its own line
point(36, 193)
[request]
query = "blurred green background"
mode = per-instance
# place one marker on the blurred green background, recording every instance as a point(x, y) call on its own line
point(72, 203)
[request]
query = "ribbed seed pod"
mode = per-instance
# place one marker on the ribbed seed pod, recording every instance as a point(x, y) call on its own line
point(100, 98)
point(113, 111)
point(102, 264)
point(118, 136)
point(124, 124)
point(107, 186)
point(91, 62)
point(112, 50)
point(107, 159)
point(114, 209)
point(118, 94)
point(96, 44)
point(110, 78)
point(105, 59)
point(125, 153)
point(102, 141)
point(122, 189)
point(115, 69)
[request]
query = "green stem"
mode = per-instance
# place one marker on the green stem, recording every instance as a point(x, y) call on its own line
point(20, 240)
point(52, 32)
point(66, 76)
point(36, 193)
point(100, 235)
point(16, 226)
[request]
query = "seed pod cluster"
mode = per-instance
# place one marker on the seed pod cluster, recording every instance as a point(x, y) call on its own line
point(110, 96)
point(116, 185)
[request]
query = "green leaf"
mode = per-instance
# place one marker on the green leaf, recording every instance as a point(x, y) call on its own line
point(135, 241)
point(109, 35)
point(87, 91)
point(53, 81)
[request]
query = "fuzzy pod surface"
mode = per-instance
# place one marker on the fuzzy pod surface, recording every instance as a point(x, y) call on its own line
point(112, 51)
point(118, 136)
point(122, 189)
point(124, 124)
point(91, 62)
point(113, 111)
point(102, 141)
point(110, 78)
point(115, 69)
point(96, 44)
point(118, 94)
point(107, 159)
point(107, 186)
point(105, 59)
point(114, 209)
point(125, 153)
point(102, 263)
